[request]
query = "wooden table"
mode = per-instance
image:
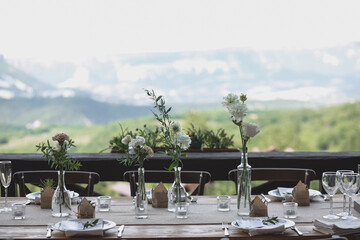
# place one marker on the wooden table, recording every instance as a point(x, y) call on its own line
point(171, 230)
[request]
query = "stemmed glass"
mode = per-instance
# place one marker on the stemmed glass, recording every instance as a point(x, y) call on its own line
point(341, 172)
point(350, 183)
point(330, 182)
point(5, 175)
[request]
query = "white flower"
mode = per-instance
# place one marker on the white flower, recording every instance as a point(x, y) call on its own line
point(237, 111)
point(148, 151)
point(141, 140)
point(126, 139)
point(175, 127)
point(57, 146)
point(182, 140)
point(250, 129)
point(230, 99)
point(65, 145)
point(136, 142)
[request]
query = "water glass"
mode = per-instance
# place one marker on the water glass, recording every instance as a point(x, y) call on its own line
point(104, 203)
point(18, 210)
point(181, 209)
point(290, 209)
point(341, 172)
point(350, 183)
point(223, 203)
point(5, 176)
point(330, 182)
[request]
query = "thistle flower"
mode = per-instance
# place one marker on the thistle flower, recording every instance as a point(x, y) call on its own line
point(61, 137)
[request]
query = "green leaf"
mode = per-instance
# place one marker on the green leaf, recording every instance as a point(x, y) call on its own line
point(90, 224)
point(269, 220)
point(172, 166)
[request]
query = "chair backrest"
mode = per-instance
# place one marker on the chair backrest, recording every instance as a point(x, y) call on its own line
point(156, 176)
point(72, 178)
point(276, 177)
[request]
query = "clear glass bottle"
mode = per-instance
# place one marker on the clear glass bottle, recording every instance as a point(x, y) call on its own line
point(141, 201)
point(244, 186)
point(177, 192)
point(61, 200)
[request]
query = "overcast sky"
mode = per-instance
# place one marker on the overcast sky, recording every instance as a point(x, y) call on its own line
point(81, 29)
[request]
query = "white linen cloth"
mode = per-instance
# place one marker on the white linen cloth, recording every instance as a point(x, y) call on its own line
point(75, 227)
point(255, 226)
point(347, 226)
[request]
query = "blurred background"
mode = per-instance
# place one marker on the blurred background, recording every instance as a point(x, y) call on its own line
point(81, 67)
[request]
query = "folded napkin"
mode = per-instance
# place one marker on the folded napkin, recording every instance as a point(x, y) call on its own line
point(347, 226)
point(255, 226)
point(75, 227)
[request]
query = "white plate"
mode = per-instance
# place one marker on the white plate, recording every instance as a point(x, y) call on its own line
point(245, 225)
point(107, 225)
point(275, 193)
point(34, 195)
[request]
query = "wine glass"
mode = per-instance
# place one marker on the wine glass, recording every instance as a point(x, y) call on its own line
point(330, 182)
point(5, 175)
point(341, 172)
point(350, 183)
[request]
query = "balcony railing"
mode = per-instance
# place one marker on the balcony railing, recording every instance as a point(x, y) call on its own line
point(217, 163)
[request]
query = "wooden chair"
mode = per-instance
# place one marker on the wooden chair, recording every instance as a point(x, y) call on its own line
point(72, 178)
point(156, 176)
point(276, 177)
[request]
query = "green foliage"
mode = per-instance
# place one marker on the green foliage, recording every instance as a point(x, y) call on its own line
point(197, 137)
point(90, 224)
point(163, 117)
point(115, 142)
point(270, 220)
point(218, 140)
point(333, 129)
point(49, 182)
point(3, 140)
point(152, 137)
point(58, 158)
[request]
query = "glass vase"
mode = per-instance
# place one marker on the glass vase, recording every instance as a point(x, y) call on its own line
point(177, 192)
point(244, 186)
point(61, 200)
point(141, 201)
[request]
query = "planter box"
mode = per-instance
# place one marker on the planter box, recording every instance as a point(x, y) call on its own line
point(190, 150)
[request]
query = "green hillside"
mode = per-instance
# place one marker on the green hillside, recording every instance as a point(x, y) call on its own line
point(69, 111)
point(334, 128)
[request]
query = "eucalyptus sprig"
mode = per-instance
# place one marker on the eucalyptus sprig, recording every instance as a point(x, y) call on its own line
point(175, 141)
point(90, 224)
point(269, 220)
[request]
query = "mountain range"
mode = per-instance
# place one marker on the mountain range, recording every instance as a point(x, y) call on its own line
point(103, 90)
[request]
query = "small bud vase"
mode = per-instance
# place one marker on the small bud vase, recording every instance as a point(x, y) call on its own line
point(61, 200)
point(141, 201)
point(177, 192)
point(244, 186)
